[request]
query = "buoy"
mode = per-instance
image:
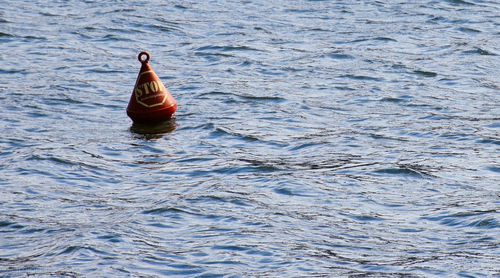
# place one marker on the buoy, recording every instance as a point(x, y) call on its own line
point(150, 102)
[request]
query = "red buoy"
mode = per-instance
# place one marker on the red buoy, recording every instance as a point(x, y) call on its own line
point(150, 102)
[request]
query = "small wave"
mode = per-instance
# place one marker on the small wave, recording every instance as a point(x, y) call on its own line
point(2, 34)
point(362, 217)
point(104, 70)
point(385, 39)
point(11, 71)
point(114, 37)
point(227, 48)
point(168, 210)
point(460, 2)
point(495, 169)
point(489, 141)
point(13, 225)
point(468, 30)
point(172, 27)
point(385, 137)
point(212, 56)
point(287, 191)
point(220, 199)
point(230, 247)
point(362, 77)
point(413, 170)
point(274, 99)
point(480, 51)
point(341, 56)
point(246, 137)
point(305, 163)
point(425, 73)
point(399, 171)
point(475, 218)
point(392, 99)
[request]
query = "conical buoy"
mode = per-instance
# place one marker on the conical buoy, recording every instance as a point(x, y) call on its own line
point(150, 102)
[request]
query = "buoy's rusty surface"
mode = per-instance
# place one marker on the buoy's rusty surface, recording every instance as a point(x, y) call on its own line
point(150, 102)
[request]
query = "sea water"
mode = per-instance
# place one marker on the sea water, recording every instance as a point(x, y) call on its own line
point(311, 139)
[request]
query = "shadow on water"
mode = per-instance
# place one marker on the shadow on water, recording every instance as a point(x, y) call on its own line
point(153, 131)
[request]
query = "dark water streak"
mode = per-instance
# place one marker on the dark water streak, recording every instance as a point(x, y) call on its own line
point(312, 138)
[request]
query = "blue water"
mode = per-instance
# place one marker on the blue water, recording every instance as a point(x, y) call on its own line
point(311, 139)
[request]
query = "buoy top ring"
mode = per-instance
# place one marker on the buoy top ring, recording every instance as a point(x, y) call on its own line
point(140, 57)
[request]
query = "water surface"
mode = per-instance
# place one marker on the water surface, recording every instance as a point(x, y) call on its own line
point(312, 138)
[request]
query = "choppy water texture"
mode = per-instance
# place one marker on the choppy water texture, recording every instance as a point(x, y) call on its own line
point(312, 138)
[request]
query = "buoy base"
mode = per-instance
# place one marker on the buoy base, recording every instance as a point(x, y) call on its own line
point(151, 117)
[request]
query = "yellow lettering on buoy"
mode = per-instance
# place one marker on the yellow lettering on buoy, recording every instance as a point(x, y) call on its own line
point(147, 87)
point(154, 86)
point(138, 92)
